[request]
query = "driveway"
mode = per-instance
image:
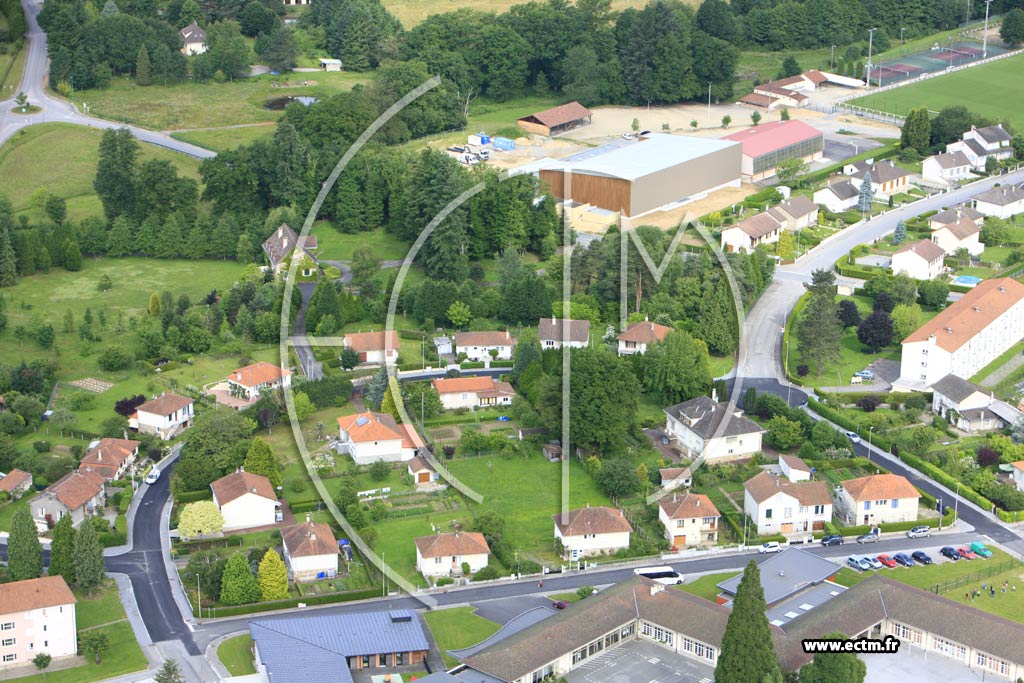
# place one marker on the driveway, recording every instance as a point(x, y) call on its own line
point(641, 660)
point(880, 260)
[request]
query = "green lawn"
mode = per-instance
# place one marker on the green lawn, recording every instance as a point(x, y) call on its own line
point(236, 655)
point(998, 362)
point(972, 88)
point(13, 71)
point(8, 511)
point(61, 158)
point(706, 586)
point(765, 66)
point(335, 245)
point(102, 608)
point(200, 105)
point(456, 628)
point(123, 656)
point(220, 139)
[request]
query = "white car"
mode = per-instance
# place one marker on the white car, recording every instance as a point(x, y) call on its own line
point(153, 475)
point(919, 532)
point(770, 547)
point(875, 564)
point(852, 436)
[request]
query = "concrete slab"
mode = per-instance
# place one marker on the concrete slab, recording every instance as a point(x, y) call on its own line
point(911, 663)
point(641, 660)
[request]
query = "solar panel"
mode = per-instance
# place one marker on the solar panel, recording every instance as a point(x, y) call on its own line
point(362, 420)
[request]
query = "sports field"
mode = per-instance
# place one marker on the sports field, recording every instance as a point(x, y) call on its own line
point(987, 90)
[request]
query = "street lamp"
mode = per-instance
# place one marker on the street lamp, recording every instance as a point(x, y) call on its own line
point(956, 502)
point(832, 63)
point(901, 40)
point(871, 39)
point(709, 103)
point(870, 430)
point(939, 506)
point(984, 40)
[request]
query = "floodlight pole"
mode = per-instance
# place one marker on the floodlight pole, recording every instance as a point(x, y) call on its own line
point(871, 38)
point(832, 63)
point(984, 39)
point(709, 103)
point(901, 40)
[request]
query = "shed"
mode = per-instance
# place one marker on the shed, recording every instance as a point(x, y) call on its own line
point(330, 64)
point(556, 120)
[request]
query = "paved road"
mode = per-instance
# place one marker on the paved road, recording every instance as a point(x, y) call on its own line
point(55, 109)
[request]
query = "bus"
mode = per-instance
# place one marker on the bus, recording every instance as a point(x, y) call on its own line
point(663, 575)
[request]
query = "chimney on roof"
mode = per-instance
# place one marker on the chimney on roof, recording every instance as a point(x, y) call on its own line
point(254, 489)
point(656, 588)
point(1002, 289)
point(675, 497)
point(308, 517)
point(284, 243)
point(697, 502)
point(280, 230)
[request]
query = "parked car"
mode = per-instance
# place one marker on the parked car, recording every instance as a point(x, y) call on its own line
point(852, 436)
point(950, 553)
point(920, 532)
point(859, 563)
point(770, 547)
point(865, 374)
point(886, 560)
point(560, 604)
point(921, 557)
point(979, 549)
point(868, 538)
point(903, 559)
point(153, 475)
point(875, 564)
point(966, 553)
point(832, 539)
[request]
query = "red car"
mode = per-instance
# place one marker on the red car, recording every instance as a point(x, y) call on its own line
point(966, 553)
point(560, 604)
point(886, 560)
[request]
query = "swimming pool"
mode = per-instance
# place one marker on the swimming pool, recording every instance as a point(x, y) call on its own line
point(966, 280)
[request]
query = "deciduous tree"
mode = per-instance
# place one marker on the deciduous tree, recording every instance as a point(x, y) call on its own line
point(94, 643)
point(834, 667)
point(200, 518)
point(875, 331)
point(676, 369)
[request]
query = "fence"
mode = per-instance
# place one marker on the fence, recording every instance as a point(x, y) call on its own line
point(979, 576)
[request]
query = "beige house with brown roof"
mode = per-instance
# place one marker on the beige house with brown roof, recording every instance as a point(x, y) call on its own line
point(639, 335)
point(551, 122)
point(877, 499)
point(947, 168)
point(36, 615)
point(779, 506)
point(887, 178)
point(79, 494)
point(373, 347)
point(591, 531)
point(965, 336)
point(421, 472)
point(369, 437)
point(245, 500)
point(248, 382)
point(443, 554)
point(473, 392)
point(963, 234)
point(750, 233)
point(795, 213)
point(794, 468)
point(674, 477)
point(921, 260)
point(954, 214)
point(111, 458)
point(478, 345)
point(16, 483)
point(310, 551)
point(166, 416)
point(689, 519)
point(554, 333)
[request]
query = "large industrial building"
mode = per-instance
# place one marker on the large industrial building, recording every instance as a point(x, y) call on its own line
point(656, 172)
point(769, 144)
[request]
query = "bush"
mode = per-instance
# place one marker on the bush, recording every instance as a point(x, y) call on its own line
point(182, 497)
point(488, 573)
point(444, 581)
point(869, 403)
point(41, 446)
point(803, 370)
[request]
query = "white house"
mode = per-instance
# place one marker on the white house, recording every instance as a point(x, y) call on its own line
point(969, 407)
point(369, 437)
point(166, 416)
point(79, 493)
point(794, 468)
point(1002, 202)
point(838, 196)
point(947, 169)
point(887, 178)
point(674, 477)
point(921, 260)
point(638, 336)
point(310, 551)
point(473, 392)
point(443, 554)
point(878, 499)
point(965, 336)
point(980, 144)
point(551, 332)
point(478, 345)
point(750, 233)
point(245, 500)
point(694, 428)
point(795, 213)
point(1018, 474)
point(964, 234)
point(281, 244)
point(591, 531)
point(780, 506)
point(110, 458)
point(36, 615)
point(193, 40)
point(249, 381)
point(955, 214)
point(373, 347)
point(688, 519)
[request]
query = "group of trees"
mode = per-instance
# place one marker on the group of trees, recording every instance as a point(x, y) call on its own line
point(77, 555)
point(258, 575)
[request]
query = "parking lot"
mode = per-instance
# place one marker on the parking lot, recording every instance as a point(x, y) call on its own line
point(643, 661)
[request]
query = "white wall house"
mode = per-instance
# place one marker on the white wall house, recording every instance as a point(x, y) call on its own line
point(693, 427)
point(980, 144)
point(369, 437)
point(36, 616)
point(955, 214)
point(245, 500)
point(554, 333)
point(443, 554)
point(639, 335)
point(838, 196)
point(1018, 474)
point(110, 458)
point(779, 506)
point(887, 178)
point(794, 468)
point(964, 337)
point(478, 345)
point(964, 234)
point(310, 551)
point(193, 40)
point(1002, 202)
point(795, 213)
point(970, 408)
point(877, 499)
point(750, 233)
point(591, 531)
point(948, 168)
point(689, 519)
point(249, 381)
point(79, 494)
point(375, 348)
point(166, 416)
point(921, 260)
point(473, 392)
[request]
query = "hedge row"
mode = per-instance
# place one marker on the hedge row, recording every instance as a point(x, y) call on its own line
point(940, 476)
point(305, 506)
point(880, 440)
point(471, 364)
point(181, 497)
point(852, 397)
point(932, 522)
point(855, 271)
point(411, 334)
point(794, 317)
point(293, 602)
point(841, 463)
point(109, 539)
point(126, 500)
point(502, 363)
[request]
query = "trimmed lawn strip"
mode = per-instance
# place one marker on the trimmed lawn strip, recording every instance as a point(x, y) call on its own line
point(706, 586)
point(335, 245)
point(102, 608)
point(221, 139)
point(236, 655)
point(456, 628)
point(123, 656)
point(8, 511)
point(998, 362)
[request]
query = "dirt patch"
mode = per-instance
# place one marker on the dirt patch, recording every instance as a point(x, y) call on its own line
point(614, 121)
point(96, 386)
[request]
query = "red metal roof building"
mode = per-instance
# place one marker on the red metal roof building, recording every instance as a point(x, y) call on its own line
point(769, 144)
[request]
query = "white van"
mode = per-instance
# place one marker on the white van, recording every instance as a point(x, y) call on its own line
point(153, 475)
point(664, 575)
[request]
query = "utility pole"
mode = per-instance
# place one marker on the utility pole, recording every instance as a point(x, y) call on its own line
point(709, 103)
point(939, 505)
point(832, 62)
point(871, 39)
point(901, 40)
point(984, 40)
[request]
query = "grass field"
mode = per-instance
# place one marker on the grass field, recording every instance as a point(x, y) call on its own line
point(220, 139)
point(200, 105)
point(10, 509)
point(61, 158)
point(102, 608)
point(335, 245)
point(972, 88)
point(457, 628)
point(11, 66)
point(706, 586)
point(412, 12)
point(236, 655)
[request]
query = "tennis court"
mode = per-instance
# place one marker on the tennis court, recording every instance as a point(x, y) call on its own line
point(938, 58)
